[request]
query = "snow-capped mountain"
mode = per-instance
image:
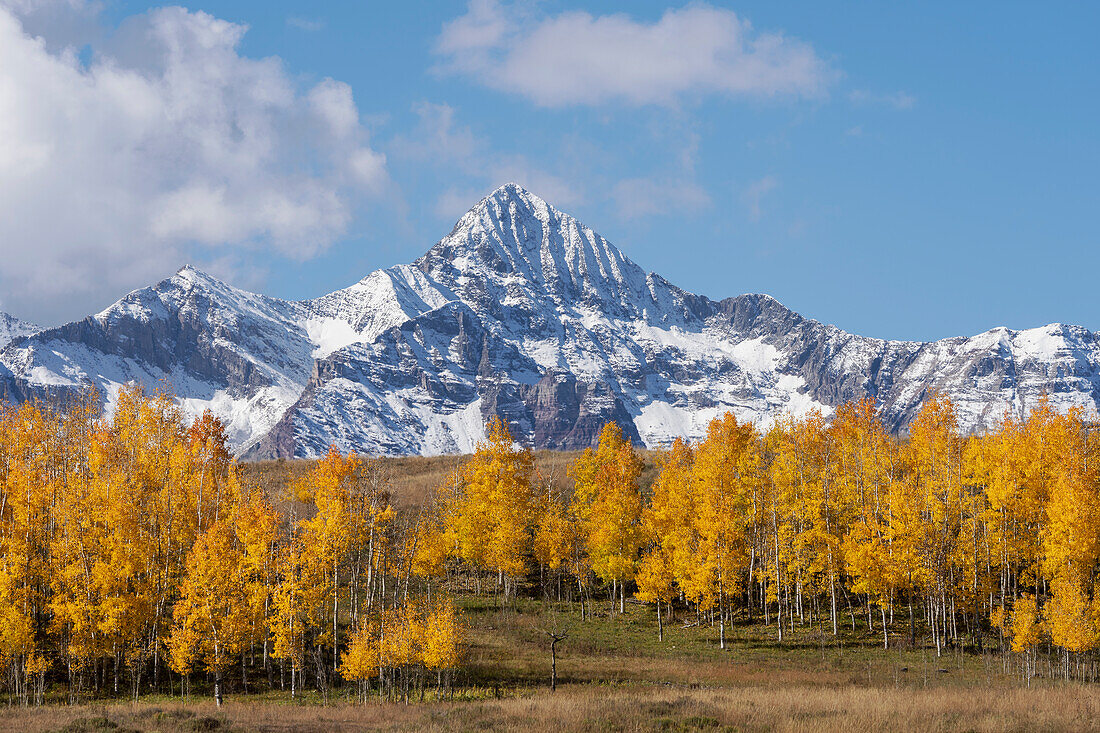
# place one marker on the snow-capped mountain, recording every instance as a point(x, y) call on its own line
point(12, 328)
point(523, 312)
point(244, 356)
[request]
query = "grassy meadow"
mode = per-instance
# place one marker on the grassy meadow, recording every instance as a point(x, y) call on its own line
point(614, 674)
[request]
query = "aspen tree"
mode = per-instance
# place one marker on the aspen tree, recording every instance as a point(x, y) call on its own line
point(493, 511)
point(555, 533)
point(442, 637)
point(1071, 540)
point(673, 537)
point(25, 505)
point(1027, 630)
point(213, 617)
point(293, 598)
point(727, 466)
point(326, 538)
point(865, 464)
point(257, 525)
point(361, 661)
point(934, 453)
point(608, 504)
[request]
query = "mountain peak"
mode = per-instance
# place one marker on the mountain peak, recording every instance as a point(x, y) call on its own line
point(515, 192)
point(514, 250)
point(521, 311)
point(12, 328)
point(190, 273)
point(508, 201)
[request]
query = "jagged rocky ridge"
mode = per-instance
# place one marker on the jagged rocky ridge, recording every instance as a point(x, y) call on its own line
point(12, 328)
point(523, 312)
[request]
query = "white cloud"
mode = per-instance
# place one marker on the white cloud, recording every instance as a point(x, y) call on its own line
point(577, 58)
point(897, 100)
point(58, 23)
point(167, 146)
point(755, 193)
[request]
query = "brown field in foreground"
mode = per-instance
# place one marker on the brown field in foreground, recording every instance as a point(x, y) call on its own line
point(780, 706)
point(414, 477)
point(615, 675)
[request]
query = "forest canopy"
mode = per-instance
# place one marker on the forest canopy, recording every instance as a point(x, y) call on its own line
point(131, 553)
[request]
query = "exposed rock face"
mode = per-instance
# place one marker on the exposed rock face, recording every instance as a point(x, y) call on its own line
point(12, 328)
point(242, 355)
point(523, 312)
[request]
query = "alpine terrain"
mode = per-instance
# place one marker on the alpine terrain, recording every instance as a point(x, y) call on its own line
point(523, 312)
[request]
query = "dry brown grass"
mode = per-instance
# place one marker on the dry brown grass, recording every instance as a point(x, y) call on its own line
point(782, 707)
point(616, 676)
point(414, 477)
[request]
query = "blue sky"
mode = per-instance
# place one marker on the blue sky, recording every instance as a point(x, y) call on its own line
point(905, 171)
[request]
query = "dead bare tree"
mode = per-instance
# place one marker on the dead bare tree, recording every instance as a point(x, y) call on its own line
point(554, 639)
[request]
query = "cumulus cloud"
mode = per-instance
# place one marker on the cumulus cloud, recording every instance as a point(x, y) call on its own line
point(162, 146)
point(575, 58)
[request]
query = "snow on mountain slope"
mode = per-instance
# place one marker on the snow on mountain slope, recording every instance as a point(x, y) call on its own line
point(559, 332)
point(523, 312)
point(572, 333)
point(378, 302)
point(12, 328)
point(244, 356)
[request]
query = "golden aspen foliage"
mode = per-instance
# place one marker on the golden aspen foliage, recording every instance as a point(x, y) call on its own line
point(608, 504)
point(865, 463)
point(934, 452)
point(26, 497)
point(325, 539)
point(1070, 617)
point(492, 514)
point(729, 465)
point(670, 526)
point(294, 597)
point(442, 635)
point(816, 511)
point(361, 660)
point(129, 546)
point(400, 637)
point(212, 620)
point(257, 527)
point(432, 548)
point(555, 529)
point(1027, 627)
